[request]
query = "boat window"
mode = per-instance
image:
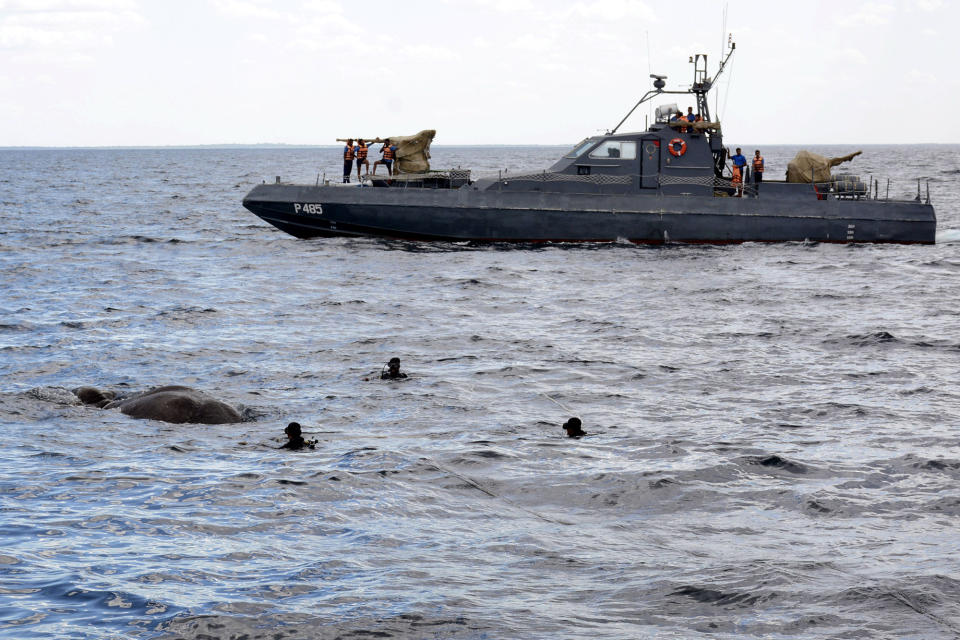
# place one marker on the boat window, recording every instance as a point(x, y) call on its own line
point(619, 149)
point(580, 148)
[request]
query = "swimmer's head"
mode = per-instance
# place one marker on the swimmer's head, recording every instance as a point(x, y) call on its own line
point(573, 427)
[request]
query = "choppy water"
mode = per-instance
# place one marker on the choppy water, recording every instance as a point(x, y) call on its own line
point(773, 448)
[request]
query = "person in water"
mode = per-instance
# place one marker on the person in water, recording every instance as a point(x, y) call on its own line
point(574, 429)
point(295, 438)
point(393, 371)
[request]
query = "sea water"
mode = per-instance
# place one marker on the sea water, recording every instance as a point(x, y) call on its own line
point(773, 429)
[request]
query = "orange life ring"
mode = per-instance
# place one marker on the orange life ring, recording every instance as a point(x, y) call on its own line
point(673, 148)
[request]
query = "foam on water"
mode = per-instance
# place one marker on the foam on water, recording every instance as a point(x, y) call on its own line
point(948, 235)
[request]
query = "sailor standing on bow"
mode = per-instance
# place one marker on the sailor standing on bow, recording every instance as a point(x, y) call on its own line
point(348, 160)
point(757, 169)
point(361, 152)
point(739, 170)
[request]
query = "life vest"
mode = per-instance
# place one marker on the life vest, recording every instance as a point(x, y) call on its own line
point(347, 153)
point(758, 165)
point(737, 178)
point(361, 152)
point(388, 153)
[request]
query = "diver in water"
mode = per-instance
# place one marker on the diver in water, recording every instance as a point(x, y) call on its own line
point(573, 428)
point(295, 439)
point(392, 371)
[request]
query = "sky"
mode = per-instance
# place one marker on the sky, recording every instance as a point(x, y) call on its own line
point(196, 72)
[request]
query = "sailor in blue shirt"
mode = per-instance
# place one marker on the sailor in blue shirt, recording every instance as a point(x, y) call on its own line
point(739, 161)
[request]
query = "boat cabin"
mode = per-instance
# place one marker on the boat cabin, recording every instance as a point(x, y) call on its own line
point(672, 157)
point(668, 158)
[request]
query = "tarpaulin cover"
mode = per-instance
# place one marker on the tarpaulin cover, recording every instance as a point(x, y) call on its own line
point(703, 125)
point(413, 152)
point(806, 165)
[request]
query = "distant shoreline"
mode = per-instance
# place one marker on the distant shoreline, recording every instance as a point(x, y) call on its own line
point(253, 147)
point(292, 147)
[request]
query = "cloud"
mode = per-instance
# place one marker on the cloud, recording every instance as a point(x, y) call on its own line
point(851, 55)
point(323, 6)
point(501, 6)
point(323, 26)
point(246, 9)
point(929, 5)
point(426, 52)
point(11, 110)
point(611, 10)
point(871, 14)
point(68, 5)
point(535, 43)
point(65, 25)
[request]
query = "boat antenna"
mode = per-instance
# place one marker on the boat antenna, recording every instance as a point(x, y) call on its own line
point(649, 65)
point(726, 93)
point(723, 32)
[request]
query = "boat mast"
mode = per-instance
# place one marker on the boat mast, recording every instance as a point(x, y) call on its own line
point(701, 86)
point(702, 83)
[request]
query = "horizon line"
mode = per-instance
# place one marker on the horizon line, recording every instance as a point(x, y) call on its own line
point(285, 145)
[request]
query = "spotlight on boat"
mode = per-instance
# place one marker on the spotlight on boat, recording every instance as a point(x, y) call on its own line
point(659, 82)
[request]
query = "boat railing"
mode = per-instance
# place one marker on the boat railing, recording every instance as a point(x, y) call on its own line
point(849, 187)
point(436, 178)
point(841, 187)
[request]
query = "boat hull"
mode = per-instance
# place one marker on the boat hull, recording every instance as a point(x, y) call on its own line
point(529, 217)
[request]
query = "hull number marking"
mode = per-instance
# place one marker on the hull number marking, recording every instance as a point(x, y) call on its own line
point(311, 208)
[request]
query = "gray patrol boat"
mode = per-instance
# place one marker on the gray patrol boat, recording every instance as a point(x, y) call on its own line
point(668, 184)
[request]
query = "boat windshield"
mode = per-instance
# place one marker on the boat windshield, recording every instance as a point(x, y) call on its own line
point(621, 149)
point(580, 148)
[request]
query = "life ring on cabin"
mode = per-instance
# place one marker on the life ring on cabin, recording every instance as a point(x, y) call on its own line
point(673, 147)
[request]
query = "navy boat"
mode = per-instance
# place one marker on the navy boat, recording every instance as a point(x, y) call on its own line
point(667, 184)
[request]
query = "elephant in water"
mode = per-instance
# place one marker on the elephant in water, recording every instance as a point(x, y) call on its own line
point(95, 396)
point(169, 404)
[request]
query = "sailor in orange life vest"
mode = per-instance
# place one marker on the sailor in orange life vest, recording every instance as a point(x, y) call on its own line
point(361, 152)
point(348, 160)
point(679, 118)
point(389, 152)
point(739, 164)
point(736, 180)
point(757, 168)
